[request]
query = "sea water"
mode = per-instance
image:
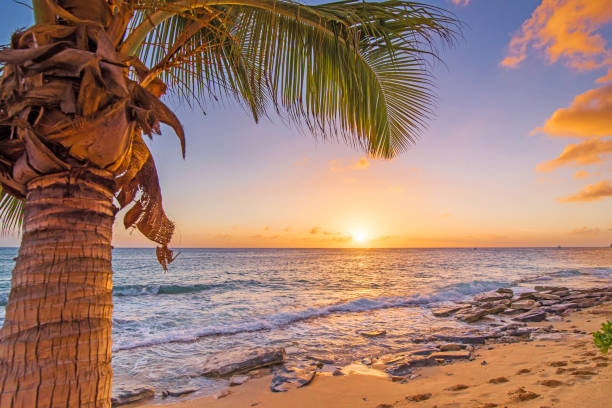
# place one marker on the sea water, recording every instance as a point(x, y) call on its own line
point(166, 326)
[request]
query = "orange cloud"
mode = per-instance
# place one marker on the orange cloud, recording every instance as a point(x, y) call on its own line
point(461, 2)
point(446, 215)
point(396, 189)
point(591, 192)
point(587, 152)
point(589, 114)
point(361, 164)
point(585, 231)
point(581, 174)
point(566, 30)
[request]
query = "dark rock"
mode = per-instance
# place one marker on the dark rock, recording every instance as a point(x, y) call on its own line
point(250, 360)
point(222, 394)
point(524, 304)
point(423, 352)
point(452, 347)
point(551, 289)
point(458, 387)
point(475, 314)
point(584, 372)
point(505, 291)
point(491, 297)
point(521, 394)
point(498, 380)
point(292, 377)
point(535, 315)
point(129, 397)
point(419, 397)
point(238, 380)
point(551, 383)
point(538, 296)
point(447, 311)
point(475, 339)
point(321, 359)
point(177, 392)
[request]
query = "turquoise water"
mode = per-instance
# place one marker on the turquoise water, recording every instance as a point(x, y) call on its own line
point(166, 325)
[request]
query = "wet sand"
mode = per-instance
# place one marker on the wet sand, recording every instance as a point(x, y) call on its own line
point(566, 372)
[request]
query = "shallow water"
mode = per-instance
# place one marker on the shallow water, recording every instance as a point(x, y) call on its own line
point(166, 325)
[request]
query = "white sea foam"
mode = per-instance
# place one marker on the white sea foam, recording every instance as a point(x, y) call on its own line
point(278, 320)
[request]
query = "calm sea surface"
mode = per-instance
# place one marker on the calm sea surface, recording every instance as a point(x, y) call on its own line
point(166, 325)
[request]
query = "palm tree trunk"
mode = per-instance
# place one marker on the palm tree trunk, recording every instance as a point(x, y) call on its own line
point(55, 345)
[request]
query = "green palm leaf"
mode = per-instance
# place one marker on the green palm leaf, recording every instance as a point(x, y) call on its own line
point(11, 213)
point(350, 70)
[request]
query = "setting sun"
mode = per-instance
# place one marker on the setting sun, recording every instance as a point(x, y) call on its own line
point(359, 237)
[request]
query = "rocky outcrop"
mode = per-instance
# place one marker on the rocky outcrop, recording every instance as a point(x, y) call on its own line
point(241, 363)
point(289, 377)
point(131, 396)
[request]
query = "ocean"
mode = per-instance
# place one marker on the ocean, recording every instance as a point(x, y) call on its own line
point(166, 326)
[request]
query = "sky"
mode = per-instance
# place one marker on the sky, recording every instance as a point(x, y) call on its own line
point(519, 152)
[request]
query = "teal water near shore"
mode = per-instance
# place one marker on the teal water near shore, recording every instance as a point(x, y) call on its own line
point(166, 325)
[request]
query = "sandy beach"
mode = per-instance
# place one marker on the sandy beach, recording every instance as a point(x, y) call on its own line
point(561, 371)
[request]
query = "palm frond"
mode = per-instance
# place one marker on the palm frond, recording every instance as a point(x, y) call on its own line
point(11, 213)
point(350, 70)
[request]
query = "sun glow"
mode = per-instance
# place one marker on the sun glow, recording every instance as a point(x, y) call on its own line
point(359, 237)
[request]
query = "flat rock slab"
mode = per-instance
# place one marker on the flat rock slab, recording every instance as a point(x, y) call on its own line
point(446, 311)
point(129, 397)
point(452, 355)
point(292, 377)
point(475, 314)
point(476, 339)
point(238, 380)
point(524, 304)
point(245, 362)
point(492, 297)
point(452, 347)
point(531, 316)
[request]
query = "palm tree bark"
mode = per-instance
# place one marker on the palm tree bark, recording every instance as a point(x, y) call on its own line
point(55, 345)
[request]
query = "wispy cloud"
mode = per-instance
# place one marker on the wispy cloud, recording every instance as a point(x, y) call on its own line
point(396, 189)
point(361, 164)
point(446, 215)
point(585, 231)
point(588, 152)
point(461, 2)
point(565, 30)
point(589, 115)
point(591, 192)
point(301, 162)
point(581, 174)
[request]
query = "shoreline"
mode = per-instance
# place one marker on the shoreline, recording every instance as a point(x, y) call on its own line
point(578, 370)
point(526, 374)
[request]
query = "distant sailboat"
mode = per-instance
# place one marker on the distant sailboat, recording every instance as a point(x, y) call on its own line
point(558, 246)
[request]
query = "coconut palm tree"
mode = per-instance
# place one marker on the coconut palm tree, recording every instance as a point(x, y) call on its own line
point(81, 88)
